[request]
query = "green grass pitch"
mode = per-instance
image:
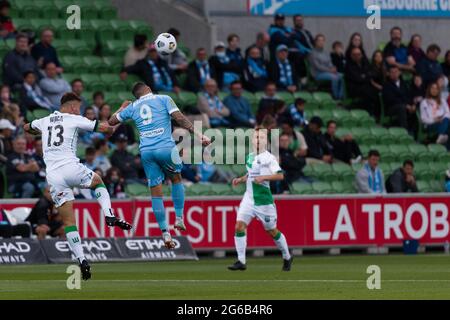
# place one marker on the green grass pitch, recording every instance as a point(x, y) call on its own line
point(312, 277)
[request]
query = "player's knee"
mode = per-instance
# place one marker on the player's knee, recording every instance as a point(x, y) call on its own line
point(240, 226)
point(96, 180)
point(176, 178)
point(272, 232)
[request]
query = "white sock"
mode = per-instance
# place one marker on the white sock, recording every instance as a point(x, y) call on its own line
point(282, 245)
point(74, 240)
point(104, 200)
point(241, 244)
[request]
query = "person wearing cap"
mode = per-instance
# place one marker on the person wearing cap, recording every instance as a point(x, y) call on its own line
point(318, 150)
point(124, 160)
point(199, 70)
point(282, 72)
point(322, 69)
point(279, 34)
point(255, 70)
point(154, 72)
point(227, 70)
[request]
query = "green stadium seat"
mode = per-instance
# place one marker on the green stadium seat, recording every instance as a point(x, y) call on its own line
point(382, 135)
point(79, 47)
point(343, 117)
point(422, 171)
point(437, 186)
point(239, 189)
point(420, 153)
point(325, 115)
point(136, 190)
point(301, 188)
point(40, 24)
point(93, 82)
point(324, 172)
point(363, 135)
point(103, 30)
point(287, 97)
point(239, 169)
point(123, 30)
point(401, 152)
point(115, 48)
point(89, 12)
point(362, 117)
point(322, 187)
point(342, 187)
point(304, 95)
point(385, 152)
point(30, 116)
point(95, 64)
point(386, 168)
point(424, 186)
point(344, 171)
point(40, 113)
point(112, 99)
point(221, 189)
point(322, 96)
point(113, 82)
point(201, 189)
point(22, 24)
point(74, 64)
point(328, 105)
point(107, 12)
point(439, 152)
point(113, 63)
point(187, 99)
point(69, 77)
point(439, 169)
point(142, 27)
point(88, 35)
point(47, 10)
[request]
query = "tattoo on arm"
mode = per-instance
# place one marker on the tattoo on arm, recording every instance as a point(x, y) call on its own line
point(113, 120)
point(182, 121)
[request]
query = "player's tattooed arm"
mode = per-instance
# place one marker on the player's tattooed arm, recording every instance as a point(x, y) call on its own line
point(27, 128)
point(184, 122)
point(239, 180)
point(104, 127)
point(113, 121)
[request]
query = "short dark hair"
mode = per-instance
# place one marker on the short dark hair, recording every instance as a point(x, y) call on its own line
point(4, 4)
point(137, 87)
point(26, 73)
point(90, 151)
point(235, 82)
point(433, 47)
point(336, 43)
point(88, 109)
point(270, 83)
point(200, 49)
point(296, 16)
point(69, 96)
point(373, 153)
point(396, 28)
point(99, 143)
point(139, 39)
point(98, 93)
point(299, 101)
point(408, 162)
point(76, 80)
point(331, 122)
point(46, 63)
point(174, 32)
point(21, 35)
point(231, 36)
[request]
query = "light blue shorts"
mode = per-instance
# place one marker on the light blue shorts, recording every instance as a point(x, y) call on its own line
point(160, 162)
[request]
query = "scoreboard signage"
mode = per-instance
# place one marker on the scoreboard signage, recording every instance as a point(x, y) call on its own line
point(351, 8)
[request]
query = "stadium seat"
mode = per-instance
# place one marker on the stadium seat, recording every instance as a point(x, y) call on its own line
point(400, 151)
point(385, 152)
point(95, 65)
point(47, 10)
point(79, 47)
point(221, 189)
point(439, 169)
point(342, 187)
point(423, 172)
point(123, 30)
point(304, 95)
point(113, 63)
point(201, 189)
point(103, 30)
point(343, 118)
point(113, 82)
point(424, 186)
point(363, 135)
point(93, 82)
point(420, 153)
point(141, 27)
point(382, 135)
point(344, 171)
point(115, 47)
point(107, 12)
point(324, 172)
point(322, 96)
point(239, 169)
point(436, 186)
point(136, 189)
point(362, 118)
point(69, 77)
point(325, 115)
point(187, 99)
point(301, 188)
point(287, 97)
point(439, 152)
point(322, 187)
point(239, 189)
point(40, 24)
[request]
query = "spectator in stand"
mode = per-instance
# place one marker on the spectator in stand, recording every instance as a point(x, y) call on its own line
point(435, 114)
point(429, 67)
point(177, 60)
point(338, 57)
point(344, 149)
point(268, 102)
point(38, 156)
point(20, 171)
point(418, 90)
point(443, 85)
point(17, 62)
point(255, 71)
point(370, 178)
point(125, 161)
point(291, 164)
point(355, 42)
point(302, 42)
point(7, 29)
point(89, 137)
point(317, 146)
point(101, 156)
point(279, 35)
point(446, 65)
point(402, 180)
point(43, 52)
point(53, 87)
point(6, 131)
point(104, 113)
point(210, 105)
point(323, 69)
point(137, 52)
point(415, 48)
point(233, 51)
point(89, 158)
point(199, 71)
point(397, 100)
point(8, 107)
point(296, 113)
point(31, 96)
point(99, 99)
point(78, 88)
point(262, 41)
point(154, 72)
point(227, 69)
point(297, 141)
point(240, 111)
point(359, 82)
point(45, 219)
point(115, 183)
point(282, 72)
point(377, 70)
point(396, 53)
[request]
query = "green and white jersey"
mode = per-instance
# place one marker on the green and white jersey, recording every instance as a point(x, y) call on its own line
point(263, 164)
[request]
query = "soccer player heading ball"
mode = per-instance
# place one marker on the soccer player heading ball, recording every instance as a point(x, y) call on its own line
point(262, 167)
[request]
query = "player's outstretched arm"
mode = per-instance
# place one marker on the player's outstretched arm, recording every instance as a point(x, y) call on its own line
point(239, 180)
point(104, 127)
point(27, 128)
point(272, 177)
point(113, 121)
point(184, 122)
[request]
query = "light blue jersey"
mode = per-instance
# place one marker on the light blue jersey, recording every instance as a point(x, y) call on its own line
point(151, 114)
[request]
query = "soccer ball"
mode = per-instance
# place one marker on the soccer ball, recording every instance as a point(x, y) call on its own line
point(165, 43)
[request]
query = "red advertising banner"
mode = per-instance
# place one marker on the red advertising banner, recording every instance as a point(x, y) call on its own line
point(309, 221)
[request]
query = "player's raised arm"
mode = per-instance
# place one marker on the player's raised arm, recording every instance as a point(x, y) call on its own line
point(115, 118)
point(184, 122)
point(27, 127)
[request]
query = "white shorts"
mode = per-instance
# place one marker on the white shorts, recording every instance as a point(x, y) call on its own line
point(62, 180)
point(267, 214)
